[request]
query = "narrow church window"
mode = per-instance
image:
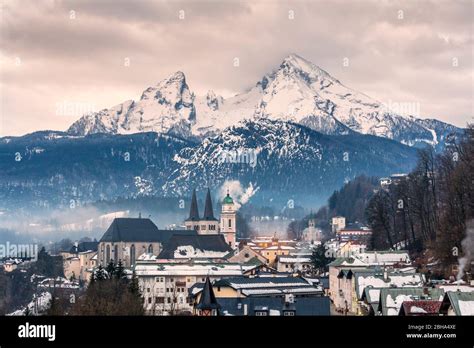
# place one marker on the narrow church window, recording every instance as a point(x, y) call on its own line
point(107, 253)
point(132, 254)
point(150, 249)
point(230, 223)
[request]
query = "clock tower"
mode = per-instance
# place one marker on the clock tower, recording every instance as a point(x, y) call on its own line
point(228, 220)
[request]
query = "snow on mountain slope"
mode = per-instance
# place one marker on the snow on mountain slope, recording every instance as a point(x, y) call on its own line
point(296, 91)
point(167, 108)
point(302, 92)
point(284, 159)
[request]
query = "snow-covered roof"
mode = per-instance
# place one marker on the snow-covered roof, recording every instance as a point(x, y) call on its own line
point(461, 288)
point(186, 251)
point(147, 257)
point(288, 259)
point(391, 300)
point(384, 257)
point(348, 262)
point(466, 307)
point(420, 307)
point(195, 246)
point(58, 282)
point(461, 302)
point(180, 269)
point(280, 247)
point(277, 291)
point(364, 279)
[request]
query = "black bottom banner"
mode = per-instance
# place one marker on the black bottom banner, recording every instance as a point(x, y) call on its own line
point(239, 331)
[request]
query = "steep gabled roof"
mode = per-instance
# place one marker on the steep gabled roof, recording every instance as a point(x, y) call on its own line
point(420, 307)
point(208, 211)
point(202, 245)
point(461, 302)
point(193, 210)
point(391, 299)
point(138, 230)
point(208, 299)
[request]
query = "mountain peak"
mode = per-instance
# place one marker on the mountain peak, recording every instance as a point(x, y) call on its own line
point(294, 62)
point(177, 78)
point(294, 58)
point(178, 75)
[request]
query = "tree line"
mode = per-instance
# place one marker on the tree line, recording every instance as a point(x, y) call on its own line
point(429, 209)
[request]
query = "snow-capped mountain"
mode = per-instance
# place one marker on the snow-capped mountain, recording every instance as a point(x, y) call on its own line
point(284, 160)
point(54, 168)
point(281, 160)
point(297, 91)
point(166, 108)
point(297, 134)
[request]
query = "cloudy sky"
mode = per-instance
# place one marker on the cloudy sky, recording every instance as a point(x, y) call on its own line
point(61, 58)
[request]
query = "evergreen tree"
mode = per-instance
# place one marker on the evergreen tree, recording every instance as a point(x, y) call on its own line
point(119, 270)
point(92, 279)
point(110, 268)
point(320, 259)
point(100, 274)
point(133, 285)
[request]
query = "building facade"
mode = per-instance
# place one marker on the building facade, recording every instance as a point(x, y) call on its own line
point(208, 224)
point(128, 238)
point(166, 286)
point(337, 223)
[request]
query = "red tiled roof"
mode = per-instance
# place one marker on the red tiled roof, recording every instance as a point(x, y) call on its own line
point(429, 307)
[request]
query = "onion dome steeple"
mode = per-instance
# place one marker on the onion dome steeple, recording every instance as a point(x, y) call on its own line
point(227, 199)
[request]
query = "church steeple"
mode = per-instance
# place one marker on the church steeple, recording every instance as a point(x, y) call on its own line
point(208, 304)
point(193, 211)
point(229, 220)
point(208, 211)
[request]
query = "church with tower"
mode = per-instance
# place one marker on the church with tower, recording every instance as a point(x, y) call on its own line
point(207, 224)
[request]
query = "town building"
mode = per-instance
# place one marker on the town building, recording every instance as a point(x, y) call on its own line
point(420, 308)
point(268, 296)
point(275, 251)
point(246, 254)
point(207, 305)
point(312, 234)
point(342, 292)
point(263, 242)
point(355, 232)
point(10, 265)
point(353, 284)
point(127, 238)
point(337, 223)
point(208, 224)
point(165, 285)
point(392, 299)
point(457, 303)
point(79, 259)
point(294, 263)
point(205, 246)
